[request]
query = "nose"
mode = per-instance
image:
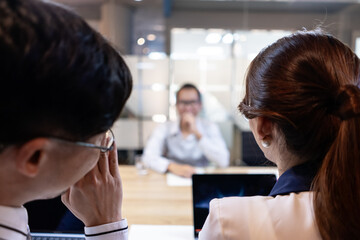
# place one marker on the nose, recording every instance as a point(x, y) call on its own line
point(187, 108)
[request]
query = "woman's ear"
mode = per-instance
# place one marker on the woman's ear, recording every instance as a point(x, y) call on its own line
point(262, 128)
point(30, 156)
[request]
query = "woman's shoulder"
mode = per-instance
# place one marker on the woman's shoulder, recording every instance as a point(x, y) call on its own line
point(258, 204)
point(282, 216)
point(302, 196)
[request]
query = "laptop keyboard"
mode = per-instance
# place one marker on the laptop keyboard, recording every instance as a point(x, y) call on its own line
point(57, 238)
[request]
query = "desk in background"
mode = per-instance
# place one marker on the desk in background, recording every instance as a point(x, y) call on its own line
point(149, 200)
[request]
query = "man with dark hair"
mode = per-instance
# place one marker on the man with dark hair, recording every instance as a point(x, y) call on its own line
point(178, 147)
point(62, 88)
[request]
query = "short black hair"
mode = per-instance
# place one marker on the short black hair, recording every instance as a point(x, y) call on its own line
point(58, 76)
point(188, 86)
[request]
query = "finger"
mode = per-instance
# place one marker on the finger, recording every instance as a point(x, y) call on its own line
point(113, 162)
point(103, 163)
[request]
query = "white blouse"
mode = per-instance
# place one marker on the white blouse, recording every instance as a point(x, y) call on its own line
point(282, 217)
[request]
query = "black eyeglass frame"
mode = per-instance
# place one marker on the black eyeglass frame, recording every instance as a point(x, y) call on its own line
point(191, 102)
point(103, 149)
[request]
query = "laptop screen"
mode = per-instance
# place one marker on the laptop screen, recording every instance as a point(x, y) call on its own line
point(209, 186)
point(51, 218)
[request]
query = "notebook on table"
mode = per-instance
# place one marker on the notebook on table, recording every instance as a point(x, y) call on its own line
point(206, 187)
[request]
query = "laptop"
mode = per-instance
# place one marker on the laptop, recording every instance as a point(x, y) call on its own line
point(209, 186)
point(56, 236)
point(45, 221)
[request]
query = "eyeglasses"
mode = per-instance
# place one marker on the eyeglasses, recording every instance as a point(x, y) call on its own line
point(184, 102)
point(246, 119)
point(108, 142)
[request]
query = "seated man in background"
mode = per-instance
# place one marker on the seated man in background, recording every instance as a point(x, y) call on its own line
point(62, 88)
point(179, 146)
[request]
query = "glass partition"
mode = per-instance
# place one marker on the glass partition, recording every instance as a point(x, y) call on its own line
point(215, 60)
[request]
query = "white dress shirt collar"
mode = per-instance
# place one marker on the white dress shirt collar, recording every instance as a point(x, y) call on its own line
point(16, 218)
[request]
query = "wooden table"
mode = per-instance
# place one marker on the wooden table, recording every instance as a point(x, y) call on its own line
point(149, 200)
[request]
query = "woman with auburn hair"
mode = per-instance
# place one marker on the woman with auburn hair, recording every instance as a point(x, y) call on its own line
point(303, 105)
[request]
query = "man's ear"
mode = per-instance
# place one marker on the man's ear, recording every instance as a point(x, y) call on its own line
point(30, 156)
point(264, 128)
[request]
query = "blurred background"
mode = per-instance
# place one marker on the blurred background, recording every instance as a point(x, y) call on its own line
point(209, 43)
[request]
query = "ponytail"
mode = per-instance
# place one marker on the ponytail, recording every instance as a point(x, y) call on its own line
point(337, 184)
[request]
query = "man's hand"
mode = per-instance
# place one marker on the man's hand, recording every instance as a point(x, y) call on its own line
point(182, 170)
point(188, 125)
point(188, 122)
point(97, 198)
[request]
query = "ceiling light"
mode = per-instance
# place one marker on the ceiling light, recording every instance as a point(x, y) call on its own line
point(157, 55)
point(159, 118)
point(151, 37)
point(146, 51)
point(158, 87)
point(213, 38)
point(140, 41)
point(228, 38)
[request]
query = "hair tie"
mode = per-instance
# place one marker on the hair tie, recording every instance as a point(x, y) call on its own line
point(347, 102)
